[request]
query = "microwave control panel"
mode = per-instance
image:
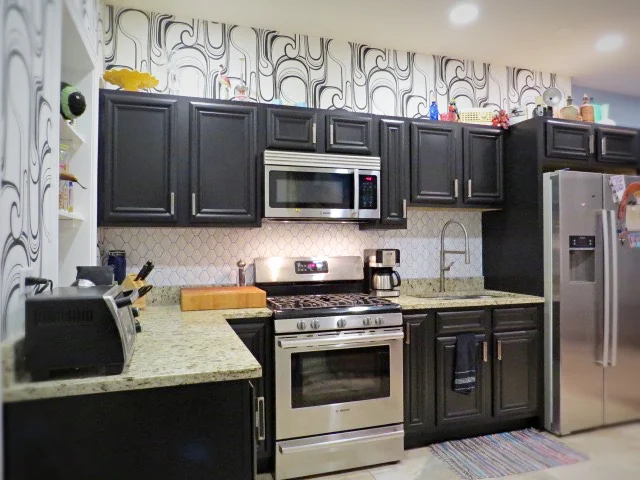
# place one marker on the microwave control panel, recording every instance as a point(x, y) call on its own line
point(368, 187)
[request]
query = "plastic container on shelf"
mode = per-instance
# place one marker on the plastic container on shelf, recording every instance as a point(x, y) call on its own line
point(70, 197)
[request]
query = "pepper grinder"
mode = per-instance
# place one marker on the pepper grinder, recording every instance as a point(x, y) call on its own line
point(242, 278)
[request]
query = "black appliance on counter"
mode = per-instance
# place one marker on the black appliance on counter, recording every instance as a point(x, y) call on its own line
point(79, 331)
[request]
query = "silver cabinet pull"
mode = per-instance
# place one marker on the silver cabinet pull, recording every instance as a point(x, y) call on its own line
point(499, 349)
point(604, 146)
point(455, 188)
point(193, 204)
point(404, 208)
point(172, 199)
point(313, 132)
point(485, 352)
point(407, 339)
point(330, 134)
point(591, 143)
point(469, 185)
point(260, 420)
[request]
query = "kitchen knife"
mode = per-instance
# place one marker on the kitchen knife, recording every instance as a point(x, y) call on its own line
point(141, 274)
point(147, 271)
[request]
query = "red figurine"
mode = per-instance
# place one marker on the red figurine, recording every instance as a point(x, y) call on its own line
point(501, 119)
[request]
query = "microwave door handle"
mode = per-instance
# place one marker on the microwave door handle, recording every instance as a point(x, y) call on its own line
point(356, 193)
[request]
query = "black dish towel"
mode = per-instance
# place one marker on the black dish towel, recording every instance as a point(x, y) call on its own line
point(464, 376)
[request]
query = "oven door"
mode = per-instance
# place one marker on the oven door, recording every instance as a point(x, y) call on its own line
point(309, 192)
point(337, 381)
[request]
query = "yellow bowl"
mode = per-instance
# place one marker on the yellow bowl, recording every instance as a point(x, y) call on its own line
point(131, 80)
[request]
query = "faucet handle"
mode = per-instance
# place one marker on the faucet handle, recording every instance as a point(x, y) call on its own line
point(448, 267)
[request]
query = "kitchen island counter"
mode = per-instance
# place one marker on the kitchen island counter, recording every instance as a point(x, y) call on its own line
point(174, 348)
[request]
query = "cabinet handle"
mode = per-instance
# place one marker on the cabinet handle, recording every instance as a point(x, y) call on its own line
point(313, 131)
point(407, 339)
point(485, 352)
point(499, 349)
point(404, 208)
point(455, 188)
point(172, 199)
point(260, 420)
point(193, 204)
point(330, 134)
point(591, 143)
point(604, 146)
point(469, 185)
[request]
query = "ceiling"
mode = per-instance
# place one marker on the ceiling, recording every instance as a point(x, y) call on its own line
point(549, 35)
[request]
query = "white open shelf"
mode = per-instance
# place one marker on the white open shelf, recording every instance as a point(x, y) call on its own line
point(70, 136)
point(64, 215)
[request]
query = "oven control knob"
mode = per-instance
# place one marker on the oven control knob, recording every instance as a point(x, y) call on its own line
point(315, 324)
point(366, 321)
point(302, 325)
point(379, 321)
point(342, 323)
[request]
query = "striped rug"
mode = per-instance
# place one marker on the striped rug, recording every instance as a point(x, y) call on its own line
point(505, 454)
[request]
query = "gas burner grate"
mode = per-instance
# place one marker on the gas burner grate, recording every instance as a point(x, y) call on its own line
point(302, 302)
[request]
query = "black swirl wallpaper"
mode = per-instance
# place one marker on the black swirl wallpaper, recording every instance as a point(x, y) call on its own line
point(208, 59)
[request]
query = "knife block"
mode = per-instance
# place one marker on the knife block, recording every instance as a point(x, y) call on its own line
point(130, 284)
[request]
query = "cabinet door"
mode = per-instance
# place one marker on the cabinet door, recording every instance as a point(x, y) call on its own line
point(138, 158)
point(224, 164)
point(515, 370)
point(350, 134)
point(433, 163)
point(415, 374)
point(291, 129)
point(255, 335)
point(616, 145)
point(482, 163)
point(394, 156)
point(453, 407)
point(573, 141)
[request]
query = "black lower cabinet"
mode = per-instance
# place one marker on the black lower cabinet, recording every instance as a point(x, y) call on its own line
point(453, 407)
point(256, 334)
point(507, 361)
point(515, 373)
point(416, 389)
point(193, 431)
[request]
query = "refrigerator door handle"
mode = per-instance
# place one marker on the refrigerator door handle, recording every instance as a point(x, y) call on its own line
point(614, 289)
point(607, 288)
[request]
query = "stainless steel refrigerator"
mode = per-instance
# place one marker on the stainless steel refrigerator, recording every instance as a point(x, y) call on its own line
point(592, 308)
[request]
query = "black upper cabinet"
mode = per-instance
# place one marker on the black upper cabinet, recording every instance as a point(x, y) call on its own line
point(616, 145)
point(415, 374)
point(257, 337)
point(456, 408)
point(138, 158)
point(224, 163)
point(515, 373)
point(483, 165)
point(350, 134)
point(394, 172)
point(433, 163)
point(291, 129)
point(569, 140)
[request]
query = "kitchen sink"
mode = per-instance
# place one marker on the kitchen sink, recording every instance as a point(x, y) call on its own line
point(457, 297)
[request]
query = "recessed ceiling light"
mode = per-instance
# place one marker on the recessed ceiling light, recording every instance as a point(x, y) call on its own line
point(463, 13)
point(609, 43)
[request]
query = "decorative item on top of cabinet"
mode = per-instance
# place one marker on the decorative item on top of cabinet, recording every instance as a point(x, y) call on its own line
point(586, 110)
point(130, 80)
point(224, 164)
point(138, 158)
point(570, 111)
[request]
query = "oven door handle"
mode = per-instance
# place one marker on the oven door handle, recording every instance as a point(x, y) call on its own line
point(340, 342)
point(333, 443)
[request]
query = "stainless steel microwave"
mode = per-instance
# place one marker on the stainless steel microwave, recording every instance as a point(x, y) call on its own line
point(318, 186)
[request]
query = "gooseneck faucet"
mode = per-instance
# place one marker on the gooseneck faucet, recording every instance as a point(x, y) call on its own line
point(443, 252)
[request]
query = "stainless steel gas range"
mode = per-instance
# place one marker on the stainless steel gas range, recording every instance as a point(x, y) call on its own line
point(338, 366)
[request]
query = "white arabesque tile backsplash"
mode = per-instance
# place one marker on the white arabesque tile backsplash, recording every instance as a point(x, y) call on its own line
point(194, 256)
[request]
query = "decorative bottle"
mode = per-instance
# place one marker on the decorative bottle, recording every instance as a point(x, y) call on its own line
point(586, 110)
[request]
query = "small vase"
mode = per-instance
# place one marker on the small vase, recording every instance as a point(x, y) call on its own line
point(586, 110)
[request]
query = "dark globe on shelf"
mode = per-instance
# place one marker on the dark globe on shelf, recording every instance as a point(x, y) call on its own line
point(72, 102)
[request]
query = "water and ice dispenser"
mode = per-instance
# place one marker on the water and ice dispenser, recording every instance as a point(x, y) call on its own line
point(582, 258)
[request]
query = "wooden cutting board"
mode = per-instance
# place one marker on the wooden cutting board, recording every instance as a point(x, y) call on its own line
point(218, 298)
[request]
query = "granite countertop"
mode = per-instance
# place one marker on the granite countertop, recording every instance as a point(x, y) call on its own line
point(413, 302)
point(174, 348)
